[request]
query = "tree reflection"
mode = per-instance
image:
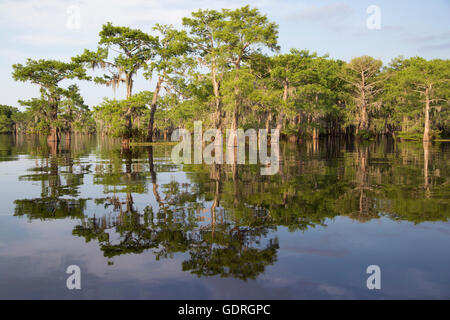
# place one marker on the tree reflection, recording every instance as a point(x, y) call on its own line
point(222, 220)
point(177, 226)
point(60, 174)
point(231, 252)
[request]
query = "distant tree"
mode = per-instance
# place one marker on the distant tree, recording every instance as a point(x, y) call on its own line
point(110, 115)
point(167, 64)
point(75, 113)
point(206, 27)
point(363, 75)
point(48, 74)
point(122, 52)
point(245, 32)
point(7, 116)
point(429, 83)
point(36, 117)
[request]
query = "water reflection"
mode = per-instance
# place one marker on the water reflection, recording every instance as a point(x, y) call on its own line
point(224, 218)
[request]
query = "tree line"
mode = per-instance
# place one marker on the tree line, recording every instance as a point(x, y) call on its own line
point(224, 67)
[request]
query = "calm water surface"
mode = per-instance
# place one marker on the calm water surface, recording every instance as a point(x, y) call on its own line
point(141, 227)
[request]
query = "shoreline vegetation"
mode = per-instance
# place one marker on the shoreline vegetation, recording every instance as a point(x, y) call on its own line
point(224, 68)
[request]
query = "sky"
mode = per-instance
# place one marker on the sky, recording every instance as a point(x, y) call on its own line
point(50, 29)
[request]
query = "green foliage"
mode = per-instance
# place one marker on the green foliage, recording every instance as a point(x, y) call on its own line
point(110, 115)
point(412, 82)
point(8, 116)
point(122, 51)
point(47, 73)
point(45, 113)
point(222, 71)
point(363, 76)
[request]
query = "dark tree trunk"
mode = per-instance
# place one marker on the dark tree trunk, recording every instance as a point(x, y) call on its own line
point(129, 125)
point(150, 131)
point(426, 131)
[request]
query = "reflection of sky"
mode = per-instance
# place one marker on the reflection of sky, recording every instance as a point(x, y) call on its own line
point(325, 262)
point(10, 186)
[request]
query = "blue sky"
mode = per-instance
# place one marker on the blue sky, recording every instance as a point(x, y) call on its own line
point(38, 29)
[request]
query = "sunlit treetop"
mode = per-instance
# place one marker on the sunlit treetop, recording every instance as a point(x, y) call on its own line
point(47, 73)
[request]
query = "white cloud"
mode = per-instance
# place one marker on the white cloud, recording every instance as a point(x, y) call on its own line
point(332, 17)
point(44, 22)
point(46, 39)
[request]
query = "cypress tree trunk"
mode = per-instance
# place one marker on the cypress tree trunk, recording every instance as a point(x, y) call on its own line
point(218, 100)
point(150, 130)
point(426, 131)
point(53, 137)
point(237, 100)
point(126, 137)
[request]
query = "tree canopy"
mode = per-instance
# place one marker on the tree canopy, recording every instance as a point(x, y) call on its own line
point(225, 69)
